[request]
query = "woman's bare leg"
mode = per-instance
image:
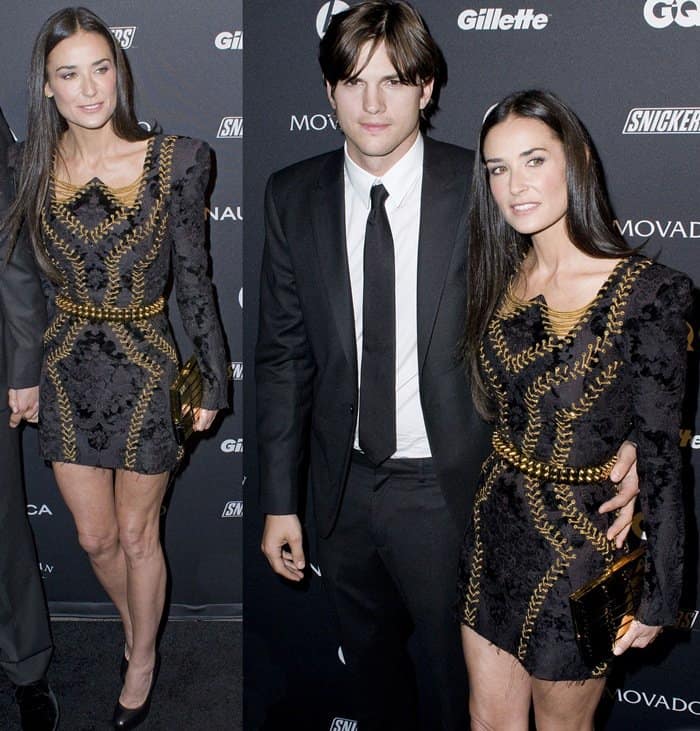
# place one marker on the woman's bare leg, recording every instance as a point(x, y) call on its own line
point(499, 686)
point(138, 501)
point(566, 705)
point(89, 494)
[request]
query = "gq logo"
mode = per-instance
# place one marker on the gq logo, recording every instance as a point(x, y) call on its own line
point(662, 13)
point(124, 34)
point(327, 11)
point(227, 41)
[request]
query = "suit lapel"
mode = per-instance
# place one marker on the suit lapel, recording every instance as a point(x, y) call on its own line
point(328, 220)
point(442, 206)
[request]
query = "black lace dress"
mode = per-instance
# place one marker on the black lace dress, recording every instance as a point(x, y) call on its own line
point(570, 402)
point(109, 352)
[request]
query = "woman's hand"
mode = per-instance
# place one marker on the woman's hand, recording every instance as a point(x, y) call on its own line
point(205, 417)
point(637, 635)
point(624, 475)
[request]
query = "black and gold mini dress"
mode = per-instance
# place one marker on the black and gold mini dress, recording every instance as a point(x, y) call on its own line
point(569, 388)
point(109, 352)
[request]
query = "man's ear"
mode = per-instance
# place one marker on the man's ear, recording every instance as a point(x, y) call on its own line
point(426, 92)
point(329, 93)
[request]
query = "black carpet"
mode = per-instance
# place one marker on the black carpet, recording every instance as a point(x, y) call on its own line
point(199, 687)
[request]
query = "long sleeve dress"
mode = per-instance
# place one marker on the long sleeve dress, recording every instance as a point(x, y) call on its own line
point(109, 352)
point(570, 401)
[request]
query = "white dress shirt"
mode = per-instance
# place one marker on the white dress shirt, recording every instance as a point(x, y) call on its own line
point(403, 182)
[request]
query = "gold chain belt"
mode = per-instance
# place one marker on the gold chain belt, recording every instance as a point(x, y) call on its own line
point(549, 472)
point(109, 314)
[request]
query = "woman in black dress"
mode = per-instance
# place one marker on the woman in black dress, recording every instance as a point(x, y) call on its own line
point(575, 343)
point(112, 210)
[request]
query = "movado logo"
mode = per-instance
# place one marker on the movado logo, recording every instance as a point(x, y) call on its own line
point(124, 34)
point(313, 122)
point(663, 13)
point(496, 19)
point(326, 13)
point(656, 700)
point(663, 228)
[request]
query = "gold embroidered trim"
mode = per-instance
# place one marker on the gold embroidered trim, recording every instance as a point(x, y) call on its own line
point(156, 216)
point(76, 261)
point(158, 341)
point(471, 600)
point(144, 398)
point(565, 555)
point(68, 440)
point(54, 327)
point(581, 522)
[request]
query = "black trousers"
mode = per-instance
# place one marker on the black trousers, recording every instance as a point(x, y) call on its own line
point(25, 638)
point(390, 567)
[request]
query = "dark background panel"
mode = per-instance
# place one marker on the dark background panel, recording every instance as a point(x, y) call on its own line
point(604, 59)
point(186, 60)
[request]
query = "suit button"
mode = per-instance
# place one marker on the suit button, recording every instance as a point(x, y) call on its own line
point(352, 409)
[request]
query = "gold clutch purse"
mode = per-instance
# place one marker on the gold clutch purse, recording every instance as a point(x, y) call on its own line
point(603, 608)
point(186, 399)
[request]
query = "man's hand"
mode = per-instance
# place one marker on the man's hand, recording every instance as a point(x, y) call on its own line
point(638, 635)
point(282, 546)
point(624, 475)
point(24, 404)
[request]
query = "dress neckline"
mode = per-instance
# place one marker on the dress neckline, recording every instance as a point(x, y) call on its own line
point(563, 323)
point(129, 195)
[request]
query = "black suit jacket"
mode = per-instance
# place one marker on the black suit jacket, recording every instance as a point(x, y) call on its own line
point(306, 361)
point(22, 308)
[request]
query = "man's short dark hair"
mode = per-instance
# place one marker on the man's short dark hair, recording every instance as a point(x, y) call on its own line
point(409, 45)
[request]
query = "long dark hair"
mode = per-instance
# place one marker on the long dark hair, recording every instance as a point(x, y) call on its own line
point(45, 125)
point(411, 49)
point(496, 250)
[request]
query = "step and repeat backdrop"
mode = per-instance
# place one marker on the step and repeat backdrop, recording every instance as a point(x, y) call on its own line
point(630, 70)
point(186, 59)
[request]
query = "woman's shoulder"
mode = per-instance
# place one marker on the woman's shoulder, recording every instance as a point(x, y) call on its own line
point(658, 284)
point(185, 147)
point(188, 155)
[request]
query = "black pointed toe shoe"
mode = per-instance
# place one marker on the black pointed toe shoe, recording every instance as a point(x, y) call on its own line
point(128, 718)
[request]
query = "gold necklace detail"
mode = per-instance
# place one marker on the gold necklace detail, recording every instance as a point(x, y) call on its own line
point(125, 195)
point(559, 322)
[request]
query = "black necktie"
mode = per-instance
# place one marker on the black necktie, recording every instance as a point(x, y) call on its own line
point(378, 372)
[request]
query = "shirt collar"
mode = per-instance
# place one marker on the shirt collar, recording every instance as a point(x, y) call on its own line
point(398, 180)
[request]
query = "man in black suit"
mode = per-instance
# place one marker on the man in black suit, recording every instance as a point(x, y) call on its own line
point(25, 639)
point(363, 282)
